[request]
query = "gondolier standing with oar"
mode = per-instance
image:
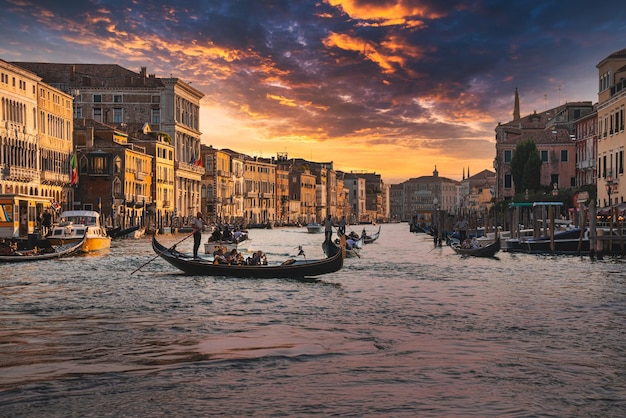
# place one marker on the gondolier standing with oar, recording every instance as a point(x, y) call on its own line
point(328, 228)
point(197, 225)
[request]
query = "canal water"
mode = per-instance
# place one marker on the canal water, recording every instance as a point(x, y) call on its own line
point(407, 329)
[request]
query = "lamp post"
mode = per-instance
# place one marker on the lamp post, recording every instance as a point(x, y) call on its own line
point(436, 222)
point(611, 185)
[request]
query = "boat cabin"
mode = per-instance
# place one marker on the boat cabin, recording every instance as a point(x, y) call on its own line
point(19, 214)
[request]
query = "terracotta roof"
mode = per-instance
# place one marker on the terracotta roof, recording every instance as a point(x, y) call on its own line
point(90, 75)
point(485, 174)
point(618, 54)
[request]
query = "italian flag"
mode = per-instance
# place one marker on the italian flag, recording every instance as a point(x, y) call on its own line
point(74, 168)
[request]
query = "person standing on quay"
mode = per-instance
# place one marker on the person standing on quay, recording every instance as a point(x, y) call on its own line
point(197, 225)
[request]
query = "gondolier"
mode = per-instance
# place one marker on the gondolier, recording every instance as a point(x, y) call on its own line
point(198, 226)
point(328, 228)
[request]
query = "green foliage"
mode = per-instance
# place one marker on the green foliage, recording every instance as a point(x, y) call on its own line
point(526, 167)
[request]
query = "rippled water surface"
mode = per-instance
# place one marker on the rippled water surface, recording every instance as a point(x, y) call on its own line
point(405, 330)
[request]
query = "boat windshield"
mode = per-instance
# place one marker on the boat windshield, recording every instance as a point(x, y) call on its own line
point(80, 220)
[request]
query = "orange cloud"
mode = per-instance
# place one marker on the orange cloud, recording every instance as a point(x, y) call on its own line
point(396, 12)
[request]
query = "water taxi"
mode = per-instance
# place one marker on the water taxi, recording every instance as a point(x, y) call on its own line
point(76, 224)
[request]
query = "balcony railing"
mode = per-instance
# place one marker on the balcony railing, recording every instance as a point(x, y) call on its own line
point(19, 173)
point(49, 177)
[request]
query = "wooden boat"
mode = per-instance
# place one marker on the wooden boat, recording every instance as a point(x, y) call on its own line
point(232, 241)
point(488, 250)
point(74, 225)
point(119, 232)
point(291, 269)
point(565, 242)
point(368, 239)
point(314, 228)
point(40, 253)
point(351, 250)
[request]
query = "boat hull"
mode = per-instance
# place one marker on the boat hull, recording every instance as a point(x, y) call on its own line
point(90, 244)
point(58, 252)
point(486, 251)
point(298, 269)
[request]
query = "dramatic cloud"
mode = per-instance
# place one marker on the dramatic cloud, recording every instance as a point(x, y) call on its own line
point(391, 86)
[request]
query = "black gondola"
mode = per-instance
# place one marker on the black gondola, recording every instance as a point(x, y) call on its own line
point(368, 239)
point(291, 269)
point(43, 253)
point(489, 250)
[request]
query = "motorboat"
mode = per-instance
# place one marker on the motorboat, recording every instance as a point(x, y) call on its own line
point(314, 228)
point(74, 225)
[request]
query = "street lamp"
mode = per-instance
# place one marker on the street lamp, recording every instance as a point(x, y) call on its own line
point(611, 186)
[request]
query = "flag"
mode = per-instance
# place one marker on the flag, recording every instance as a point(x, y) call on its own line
point(199, 162)
point(74, 167)
point(193, 159)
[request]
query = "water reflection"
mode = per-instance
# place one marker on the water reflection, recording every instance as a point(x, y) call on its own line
point(406, 330)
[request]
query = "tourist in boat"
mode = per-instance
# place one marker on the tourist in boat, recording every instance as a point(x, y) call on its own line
point(234, 257)
point(219, 258)
point(217, 234)
point(197, 225)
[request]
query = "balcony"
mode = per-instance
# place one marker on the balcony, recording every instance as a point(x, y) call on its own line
point(19, 173)
point(140, 175)
point(179, 165)
point(49, 177)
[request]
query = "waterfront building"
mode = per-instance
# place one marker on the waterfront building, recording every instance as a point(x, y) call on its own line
point(586, 131)
point(611, 135)
point(553, 133)
point(343, 201)
point(126, 100)
point(19, 145)
point(356, 185)
point(114, 175)
point(55, 144)
point(376, 208)
point(426, 194)
point(159, 146)
point(259, 191)
point(477, 191)
point(396, 203)
point(282, 190)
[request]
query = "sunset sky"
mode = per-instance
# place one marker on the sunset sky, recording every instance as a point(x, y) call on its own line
point(387, 86)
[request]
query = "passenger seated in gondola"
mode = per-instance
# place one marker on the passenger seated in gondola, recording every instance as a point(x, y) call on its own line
point(353, 235)
point(227, 235)
point(219, 258)
point(234, 257)
point(216, 235)
point(257, 258)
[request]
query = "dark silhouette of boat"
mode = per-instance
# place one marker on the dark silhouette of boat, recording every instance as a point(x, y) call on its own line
point(291, 268)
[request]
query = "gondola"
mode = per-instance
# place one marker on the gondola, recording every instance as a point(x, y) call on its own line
point(350, 251)
point(290, 269)
point(489, 250)
point(368, 239)
point(119, 232)
point(43, 253)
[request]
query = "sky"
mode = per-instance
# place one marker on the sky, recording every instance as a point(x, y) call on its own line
point(395, 87)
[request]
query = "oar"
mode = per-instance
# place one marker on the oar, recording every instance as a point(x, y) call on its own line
point(159, 253)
